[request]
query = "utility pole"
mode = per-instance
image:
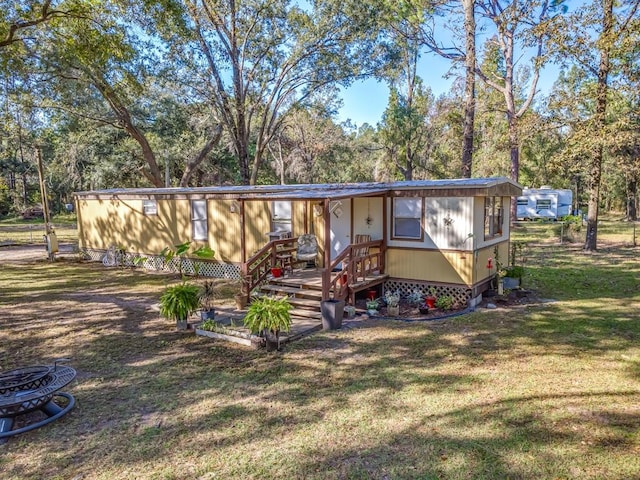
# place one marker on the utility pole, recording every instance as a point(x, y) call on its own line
point(50, 236)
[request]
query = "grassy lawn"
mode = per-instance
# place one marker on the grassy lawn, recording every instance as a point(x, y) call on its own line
point(17, 231)
point(545, 390)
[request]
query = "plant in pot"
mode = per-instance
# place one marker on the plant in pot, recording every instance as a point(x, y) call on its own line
point(512, 276)
point(207, 296)
point(430, 299)
point(444, 302)
point(276, 270)
point(350, 311)
point(393, 303)
point(177, 302)
point(415, 298)
point(268, 316)
point(372, 307)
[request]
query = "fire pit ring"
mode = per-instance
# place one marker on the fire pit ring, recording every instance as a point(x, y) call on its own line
point(33, 388)
point(28, 378)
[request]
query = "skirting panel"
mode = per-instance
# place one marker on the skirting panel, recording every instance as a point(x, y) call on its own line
point(460, 295)
point(155, 262)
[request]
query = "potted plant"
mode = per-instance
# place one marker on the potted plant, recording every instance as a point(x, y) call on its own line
point(178, 302)
point(512, 276)
point(206, 296)
point(430, 299)
point(423, 308)
point(393, 303)
point(415, 298)
point(444, 302)
point(372, 307)
point(350, 310)
point(268, 316)
point(276, 270)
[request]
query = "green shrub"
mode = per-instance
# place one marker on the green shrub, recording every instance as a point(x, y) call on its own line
point(268, 314)
point(444, 302)
point(179, 301)
point(515, 271)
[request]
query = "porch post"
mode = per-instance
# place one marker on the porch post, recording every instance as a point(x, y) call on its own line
point(385, 228)
point(243, 247)
point(326, 272)
point(244, 289)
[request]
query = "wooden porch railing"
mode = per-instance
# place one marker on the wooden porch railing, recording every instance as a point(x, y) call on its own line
point(356, 267)
point(255, 270)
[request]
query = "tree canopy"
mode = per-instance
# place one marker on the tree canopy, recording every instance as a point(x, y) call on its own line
point(201, 92)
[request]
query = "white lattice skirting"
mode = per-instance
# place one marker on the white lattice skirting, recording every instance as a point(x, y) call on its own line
point(460, 295)
point(156, 262)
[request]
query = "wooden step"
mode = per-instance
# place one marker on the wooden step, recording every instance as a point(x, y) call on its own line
point(297, 282)
point(299, 312)
point(299, 292)
point(305, 303)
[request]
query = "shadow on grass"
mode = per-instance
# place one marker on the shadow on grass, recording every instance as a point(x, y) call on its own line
point(393, 400)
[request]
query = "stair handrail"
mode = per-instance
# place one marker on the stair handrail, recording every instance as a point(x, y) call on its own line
point(340, 280)
point(255, 270)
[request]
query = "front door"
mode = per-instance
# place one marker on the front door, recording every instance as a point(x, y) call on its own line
point(340, 226)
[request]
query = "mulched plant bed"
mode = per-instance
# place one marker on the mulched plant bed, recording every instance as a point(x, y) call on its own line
point(408, 311)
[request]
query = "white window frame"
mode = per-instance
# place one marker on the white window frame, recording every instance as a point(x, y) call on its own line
point(493, 217)
point(414, 213)
point(543, 204)
point(150, 207)
point(199, 220)
point(281, 219)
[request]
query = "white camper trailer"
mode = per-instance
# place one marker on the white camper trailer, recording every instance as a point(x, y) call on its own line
point(544, 202)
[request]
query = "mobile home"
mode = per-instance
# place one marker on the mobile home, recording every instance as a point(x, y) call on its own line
point(400, 235)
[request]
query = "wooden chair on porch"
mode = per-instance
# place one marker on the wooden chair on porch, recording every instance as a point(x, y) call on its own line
point(361, 265)
point(307, 249)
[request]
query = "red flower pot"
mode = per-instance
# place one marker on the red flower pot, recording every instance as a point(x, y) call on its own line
point(276, 272)
point(430, 301)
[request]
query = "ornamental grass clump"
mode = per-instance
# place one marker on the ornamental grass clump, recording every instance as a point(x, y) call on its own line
point(268, 316)
point(179, 301)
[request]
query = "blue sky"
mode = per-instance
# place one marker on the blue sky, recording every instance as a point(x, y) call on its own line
point(365, 101)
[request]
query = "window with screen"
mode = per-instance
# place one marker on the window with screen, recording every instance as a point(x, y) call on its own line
point(544, 204)
point(149, 207)
point(199, 228)
point(493, 217)
point(407, 218)
point(281, 217)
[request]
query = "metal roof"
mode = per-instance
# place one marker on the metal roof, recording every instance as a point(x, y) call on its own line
point(312, 191)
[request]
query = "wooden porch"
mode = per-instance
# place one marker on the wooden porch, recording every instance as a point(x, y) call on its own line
point(358, 267)
point(304, 289)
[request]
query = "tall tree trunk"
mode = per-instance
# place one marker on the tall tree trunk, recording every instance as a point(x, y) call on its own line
point(470, 86)
point(153, 174)
point(514, 149)
point(632, 189)
point(595, 168)
point(194, 163)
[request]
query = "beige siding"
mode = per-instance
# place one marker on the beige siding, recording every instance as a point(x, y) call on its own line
point(103, 223)
point(298, 216)
point(224, 230)
point(257, 225)
point(430, 265)
point(481, 272)
point(449, 222)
